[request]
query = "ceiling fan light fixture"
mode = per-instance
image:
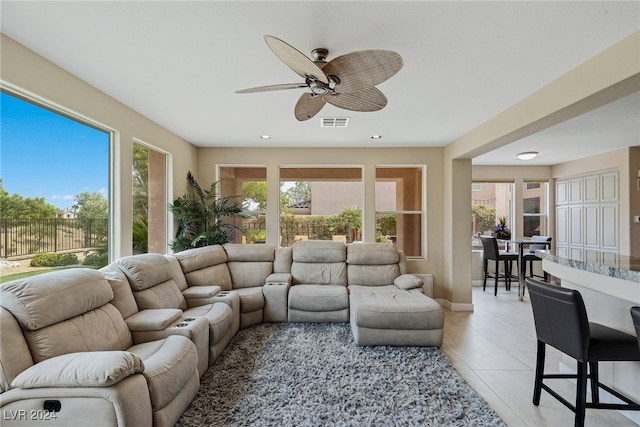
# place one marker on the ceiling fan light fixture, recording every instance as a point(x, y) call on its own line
point(527, 155)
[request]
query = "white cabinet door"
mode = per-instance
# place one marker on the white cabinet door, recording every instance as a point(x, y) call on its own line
point(575, 190)
point(592, 225)
point(609, 187)
point(575, 226)
point(610, 227)
point(562, 193)
point(591, 186)
point(562, 225)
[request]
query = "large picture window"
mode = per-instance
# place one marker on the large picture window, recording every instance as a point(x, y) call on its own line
point(54, 183)
point(534, 209)
point(251, 183)
point(491, 204)
point(399, 207)
point(320, 203)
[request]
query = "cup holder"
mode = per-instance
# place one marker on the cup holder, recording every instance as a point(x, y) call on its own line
point(223, 294)
point(189, 319)
point(182, 325)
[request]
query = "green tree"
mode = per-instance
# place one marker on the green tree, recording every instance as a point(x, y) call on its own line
point(202, 216)
point(255, 192)
point(485, 217)
point(93, 213)
point(140, 209)
point(18, 207)
point(300, 192)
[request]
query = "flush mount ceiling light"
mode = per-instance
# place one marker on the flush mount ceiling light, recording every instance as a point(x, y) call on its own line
point(376, 136)
point(527, 155)
point(265, 137)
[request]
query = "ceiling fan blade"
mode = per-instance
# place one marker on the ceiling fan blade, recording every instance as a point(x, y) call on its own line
point(363, 69)
point(308, 106)
point(273, 87)
point(295, 59)
point(369, 99)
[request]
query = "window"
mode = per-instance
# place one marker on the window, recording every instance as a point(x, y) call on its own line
point(399, 207)
point(251, 183)
point(493, 201)
point(534, 209)
point(320, 203)
point(60, 201)
point(149, 200)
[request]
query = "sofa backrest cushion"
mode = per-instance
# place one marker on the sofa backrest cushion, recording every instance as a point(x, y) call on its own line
point(283, 260)
point(317, 251)
point(46, 299)
point(372, 264)
point(319, 262)
point(66, 311)
point(123, 298)
point(14, 351)
point(177, 273)
point(151, 279)
point(205, 266)
point(249, 265)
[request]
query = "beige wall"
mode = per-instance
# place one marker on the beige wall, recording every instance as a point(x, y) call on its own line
point(30, 75)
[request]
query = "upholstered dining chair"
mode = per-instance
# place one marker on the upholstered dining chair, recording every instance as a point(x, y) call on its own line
point(491, 252)
point(635, 315)
point(530, 256)
point(561, 321)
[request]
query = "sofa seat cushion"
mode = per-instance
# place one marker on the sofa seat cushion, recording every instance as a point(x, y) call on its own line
point(169, 364)
point(199, 292)
point(251, 299)
point(388, 308)
point(220, 318)
point(318, 298)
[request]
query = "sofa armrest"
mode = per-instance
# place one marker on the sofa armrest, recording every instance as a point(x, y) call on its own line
point(155, 319)
point(427, 283)
point(85, 369)
point(276, 294)
point(200, 295)
point(279, 279)
point(408, 281)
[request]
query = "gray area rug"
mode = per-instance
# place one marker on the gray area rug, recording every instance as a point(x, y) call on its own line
point(296, 374)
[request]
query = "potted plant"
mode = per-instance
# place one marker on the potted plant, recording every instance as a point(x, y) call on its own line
point(501, 230)
point(201, 217)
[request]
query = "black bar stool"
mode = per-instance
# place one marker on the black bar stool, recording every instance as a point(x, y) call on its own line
point(490, 251)
point(561, 322)
point(530, 256)
point(635, 315)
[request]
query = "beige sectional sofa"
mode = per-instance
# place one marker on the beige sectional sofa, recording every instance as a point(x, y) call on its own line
point(126, 344)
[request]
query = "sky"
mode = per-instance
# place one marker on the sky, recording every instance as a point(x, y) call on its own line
point(43, 154)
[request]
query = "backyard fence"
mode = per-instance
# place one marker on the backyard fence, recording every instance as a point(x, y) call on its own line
point(31, 236)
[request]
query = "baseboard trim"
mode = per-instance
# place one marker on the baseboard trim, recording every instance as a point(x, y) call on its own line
point(455, 306)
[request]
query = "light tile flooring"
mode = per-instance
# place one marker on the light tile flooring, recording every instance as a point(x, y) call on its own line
point(494, 349)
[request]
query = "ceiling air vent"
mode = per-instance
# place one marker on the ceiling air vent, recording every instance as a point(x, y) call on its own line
point(334, 122)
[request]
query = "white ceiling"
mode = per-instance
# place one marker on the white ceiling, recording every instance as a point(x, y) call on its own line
point(179, 63)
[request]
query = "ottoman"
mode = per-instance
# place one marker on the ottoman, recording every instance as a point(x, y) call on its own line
point(387, 315)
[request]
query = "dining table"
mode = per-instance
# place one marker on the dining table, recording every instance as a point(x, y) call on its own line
point(521, 243)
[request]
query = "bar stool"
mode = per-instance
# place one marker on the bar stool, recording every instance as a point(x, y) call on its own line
point(635, 315)
point(491, 252)
point(530, 257)
point(561, 322)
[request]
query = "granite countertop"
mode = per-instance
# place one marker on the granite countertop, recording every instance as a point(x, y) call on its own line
point(619, 266)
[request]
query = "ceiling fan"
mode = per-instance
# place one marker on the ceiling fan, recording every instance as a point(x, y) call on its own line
point(347, 81)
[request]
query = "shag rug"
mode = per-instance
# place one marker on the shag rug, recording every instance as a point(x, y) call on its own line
point(300, 374)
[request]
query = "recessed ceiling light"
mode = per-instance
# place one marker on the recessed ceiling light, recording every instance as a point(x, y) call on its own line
point(265, 137)
point(376, 136)
point(527, 155)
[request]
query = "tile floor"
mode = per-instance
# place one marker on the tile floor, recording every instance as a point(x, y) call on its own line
point(494, 349)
